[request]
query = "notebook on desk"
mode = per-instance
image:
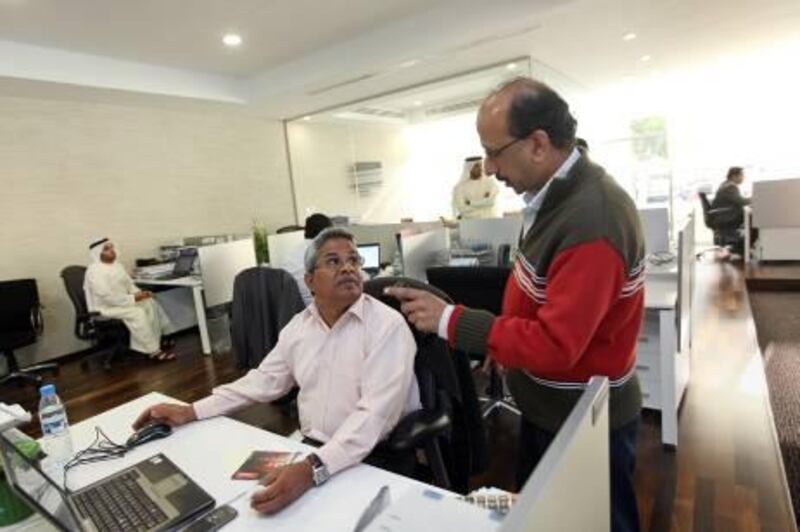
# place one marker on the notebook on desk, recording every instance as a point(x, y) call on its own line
point(150, 496)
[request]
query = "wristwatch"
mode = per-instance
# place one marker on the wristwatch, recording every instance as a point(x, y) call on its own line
point(318, 468)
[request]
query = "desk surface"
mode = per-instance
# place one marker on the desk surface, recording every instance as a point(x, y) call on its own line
point(189, 280)
point(211, 450)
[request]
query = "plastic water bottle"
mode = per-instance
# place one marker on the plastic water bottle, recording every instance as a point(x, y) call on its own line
point(56, 439)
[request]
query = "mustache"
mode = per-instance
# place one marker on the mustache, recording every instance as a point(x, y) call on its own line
point(349, 279)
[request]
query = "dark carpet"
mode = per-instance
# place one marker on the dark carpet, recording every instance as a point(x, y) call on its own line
point(777, 320)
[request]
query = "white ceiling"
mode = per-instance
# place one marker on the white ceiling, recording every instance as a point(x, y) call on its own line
point(187, 33)
point(302, 56)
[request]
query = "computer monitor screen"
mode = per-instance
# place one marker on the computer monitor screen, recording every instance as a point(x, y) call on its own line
point(371, 254)
point(36, 488)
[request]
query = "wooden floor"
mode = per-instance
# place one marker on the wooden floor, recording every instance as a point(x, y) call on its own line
point(725, 474)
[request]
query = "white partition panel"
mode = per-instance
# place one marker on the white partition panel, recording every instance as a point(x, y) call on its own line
point(421, 251)
point(775, 203)
point(569, 489)
point(219, 265)
point(655, 222)
point(281, 245)
point(492, 231)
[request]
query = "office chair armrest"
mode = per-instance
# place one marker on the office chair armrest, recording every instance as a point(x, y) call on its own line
point(417, 427)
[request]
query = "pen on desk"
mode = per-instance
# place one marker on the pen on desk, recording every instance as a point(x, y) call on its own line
point(375, 507)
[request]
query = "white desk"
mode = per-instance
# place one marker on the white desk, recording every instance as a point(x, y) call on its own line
point(199, 305)
point(211, 450)
point(662, 369)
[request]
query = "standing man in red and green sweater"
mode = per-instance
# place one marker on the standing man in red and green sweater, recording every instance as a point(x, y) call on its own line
point(573, 304)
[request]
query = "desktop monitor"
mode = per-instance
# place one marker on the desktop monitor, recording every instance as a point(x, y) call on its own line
point(372, 256)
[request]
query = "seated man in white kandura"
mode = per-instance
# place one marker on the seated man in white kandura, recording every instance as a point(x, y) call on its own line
point(111, 292)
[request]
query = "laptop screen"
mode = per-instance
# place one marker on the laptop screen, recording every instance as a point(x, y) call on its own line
point(183, 266)
point(36, 487)
point(371, 254)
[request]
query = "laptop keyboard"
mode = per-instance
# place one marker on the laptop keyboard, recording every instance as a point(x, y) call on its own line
point(120, 504)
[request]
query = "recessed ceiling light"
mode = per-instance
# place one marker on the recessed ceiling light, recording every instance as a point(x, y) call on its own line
point(306, 118)
point(417, 103)
point(645, 58)
point(629, 36)
point(232, 40)
point(511, 66)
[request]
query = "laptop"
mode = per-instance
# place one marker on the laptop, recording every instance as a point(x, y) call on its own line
point(183, 265)
point(152, 495)
point(372, 257)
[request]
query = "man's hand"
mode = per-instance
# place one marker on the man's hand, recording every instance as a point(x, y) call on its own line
point(423, 309)
point(144, 294)
point(170, 414)
point(284, 486)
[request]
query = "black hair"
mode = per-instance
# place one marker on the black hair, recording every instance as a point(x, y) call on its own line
point(734, 171)
point(536, 106)
point(315, 224)
point(582, 143)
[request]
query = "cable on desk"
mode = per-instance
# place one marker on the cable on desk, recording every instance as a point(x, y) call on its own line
point(101, 449)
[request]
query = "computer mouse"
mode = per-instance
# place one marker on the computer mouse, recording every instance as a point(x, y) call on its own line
point(150, 432)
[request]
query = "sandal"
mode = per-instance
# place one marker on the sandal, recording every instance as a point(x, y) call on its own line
point(162, 356)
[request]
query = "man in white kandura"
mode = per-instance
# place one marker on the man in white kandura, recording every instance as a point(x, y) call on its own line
point(111, 292)
point(353, 359)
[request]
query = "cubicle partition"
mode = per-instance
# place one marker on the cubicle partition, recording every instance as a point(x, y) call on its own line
point(777, 218)
point(422, 251)
point(569, 489)
point(281, 245)
point(219, 266)
point(655, 223)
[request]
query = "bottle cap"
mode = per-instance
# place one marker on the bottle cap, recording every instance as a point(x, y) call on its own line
point(47, 390)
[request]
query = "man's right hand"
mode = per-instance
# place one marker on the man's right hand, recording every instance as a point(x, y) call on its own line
point(144, 294)
point(168, 413)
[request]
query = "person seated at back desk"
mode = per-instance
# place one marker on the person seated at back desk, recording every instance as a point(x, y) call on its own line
point(729, 196)
point(110, 291)
point(353, 359)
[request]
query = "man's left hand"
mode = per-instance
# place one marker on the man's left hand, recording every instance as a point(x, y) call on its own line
point(423, 309)
point(283, 487)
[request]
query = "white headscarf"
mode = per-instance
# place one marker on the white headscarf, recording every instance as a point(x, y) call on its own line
point(96, 249)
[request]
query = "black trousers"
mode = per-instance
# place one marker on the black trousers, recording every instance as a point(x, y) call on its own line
point(622, 450)
point(400, 462)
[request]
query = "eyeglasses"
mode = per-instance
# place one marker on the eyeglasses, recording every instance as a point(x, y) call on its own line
point(494, 154)
point(335, 263)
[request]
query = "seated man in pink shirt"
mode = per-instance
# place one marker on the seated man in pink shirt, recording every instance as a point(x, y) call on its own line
point(353, 359)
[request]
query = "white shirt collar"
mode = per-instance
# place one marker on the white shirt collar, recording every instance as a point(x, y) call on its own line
point(535, 199)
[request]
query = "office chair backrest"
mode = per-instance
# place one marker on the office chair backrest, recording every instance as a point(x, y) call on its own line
point(73, 277)
point(19, 306)
point(438, 372)
point(264, 301)
point(476, 287)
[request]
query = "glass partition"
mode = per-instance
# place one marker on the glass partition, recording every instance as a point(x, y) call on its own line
point(397, 156)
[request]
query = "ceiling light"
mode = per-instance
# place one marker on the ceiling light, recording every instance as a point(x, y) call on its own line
point(511, 66)
point(629, 36)
point(306, 118)
point(232, 40)
point(418, 103)
point(645, 58)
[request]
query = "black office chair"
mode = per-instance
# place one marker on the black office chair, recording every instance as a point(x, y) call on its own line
point(449, 428)
point(101, 331)
point(724, 223)
point(481, 288)
point(21, 324)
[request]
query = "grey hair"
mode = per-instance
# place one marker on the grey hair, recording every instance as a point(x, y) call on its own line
point(312, 251)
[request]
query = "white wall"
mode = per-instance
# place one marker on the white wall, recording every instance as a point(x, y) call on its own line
point(75, 171)
point(324, 152)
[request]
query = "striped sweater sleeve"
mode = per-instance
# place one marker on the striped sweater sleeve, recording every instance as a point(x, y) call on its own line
point(582, 284)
